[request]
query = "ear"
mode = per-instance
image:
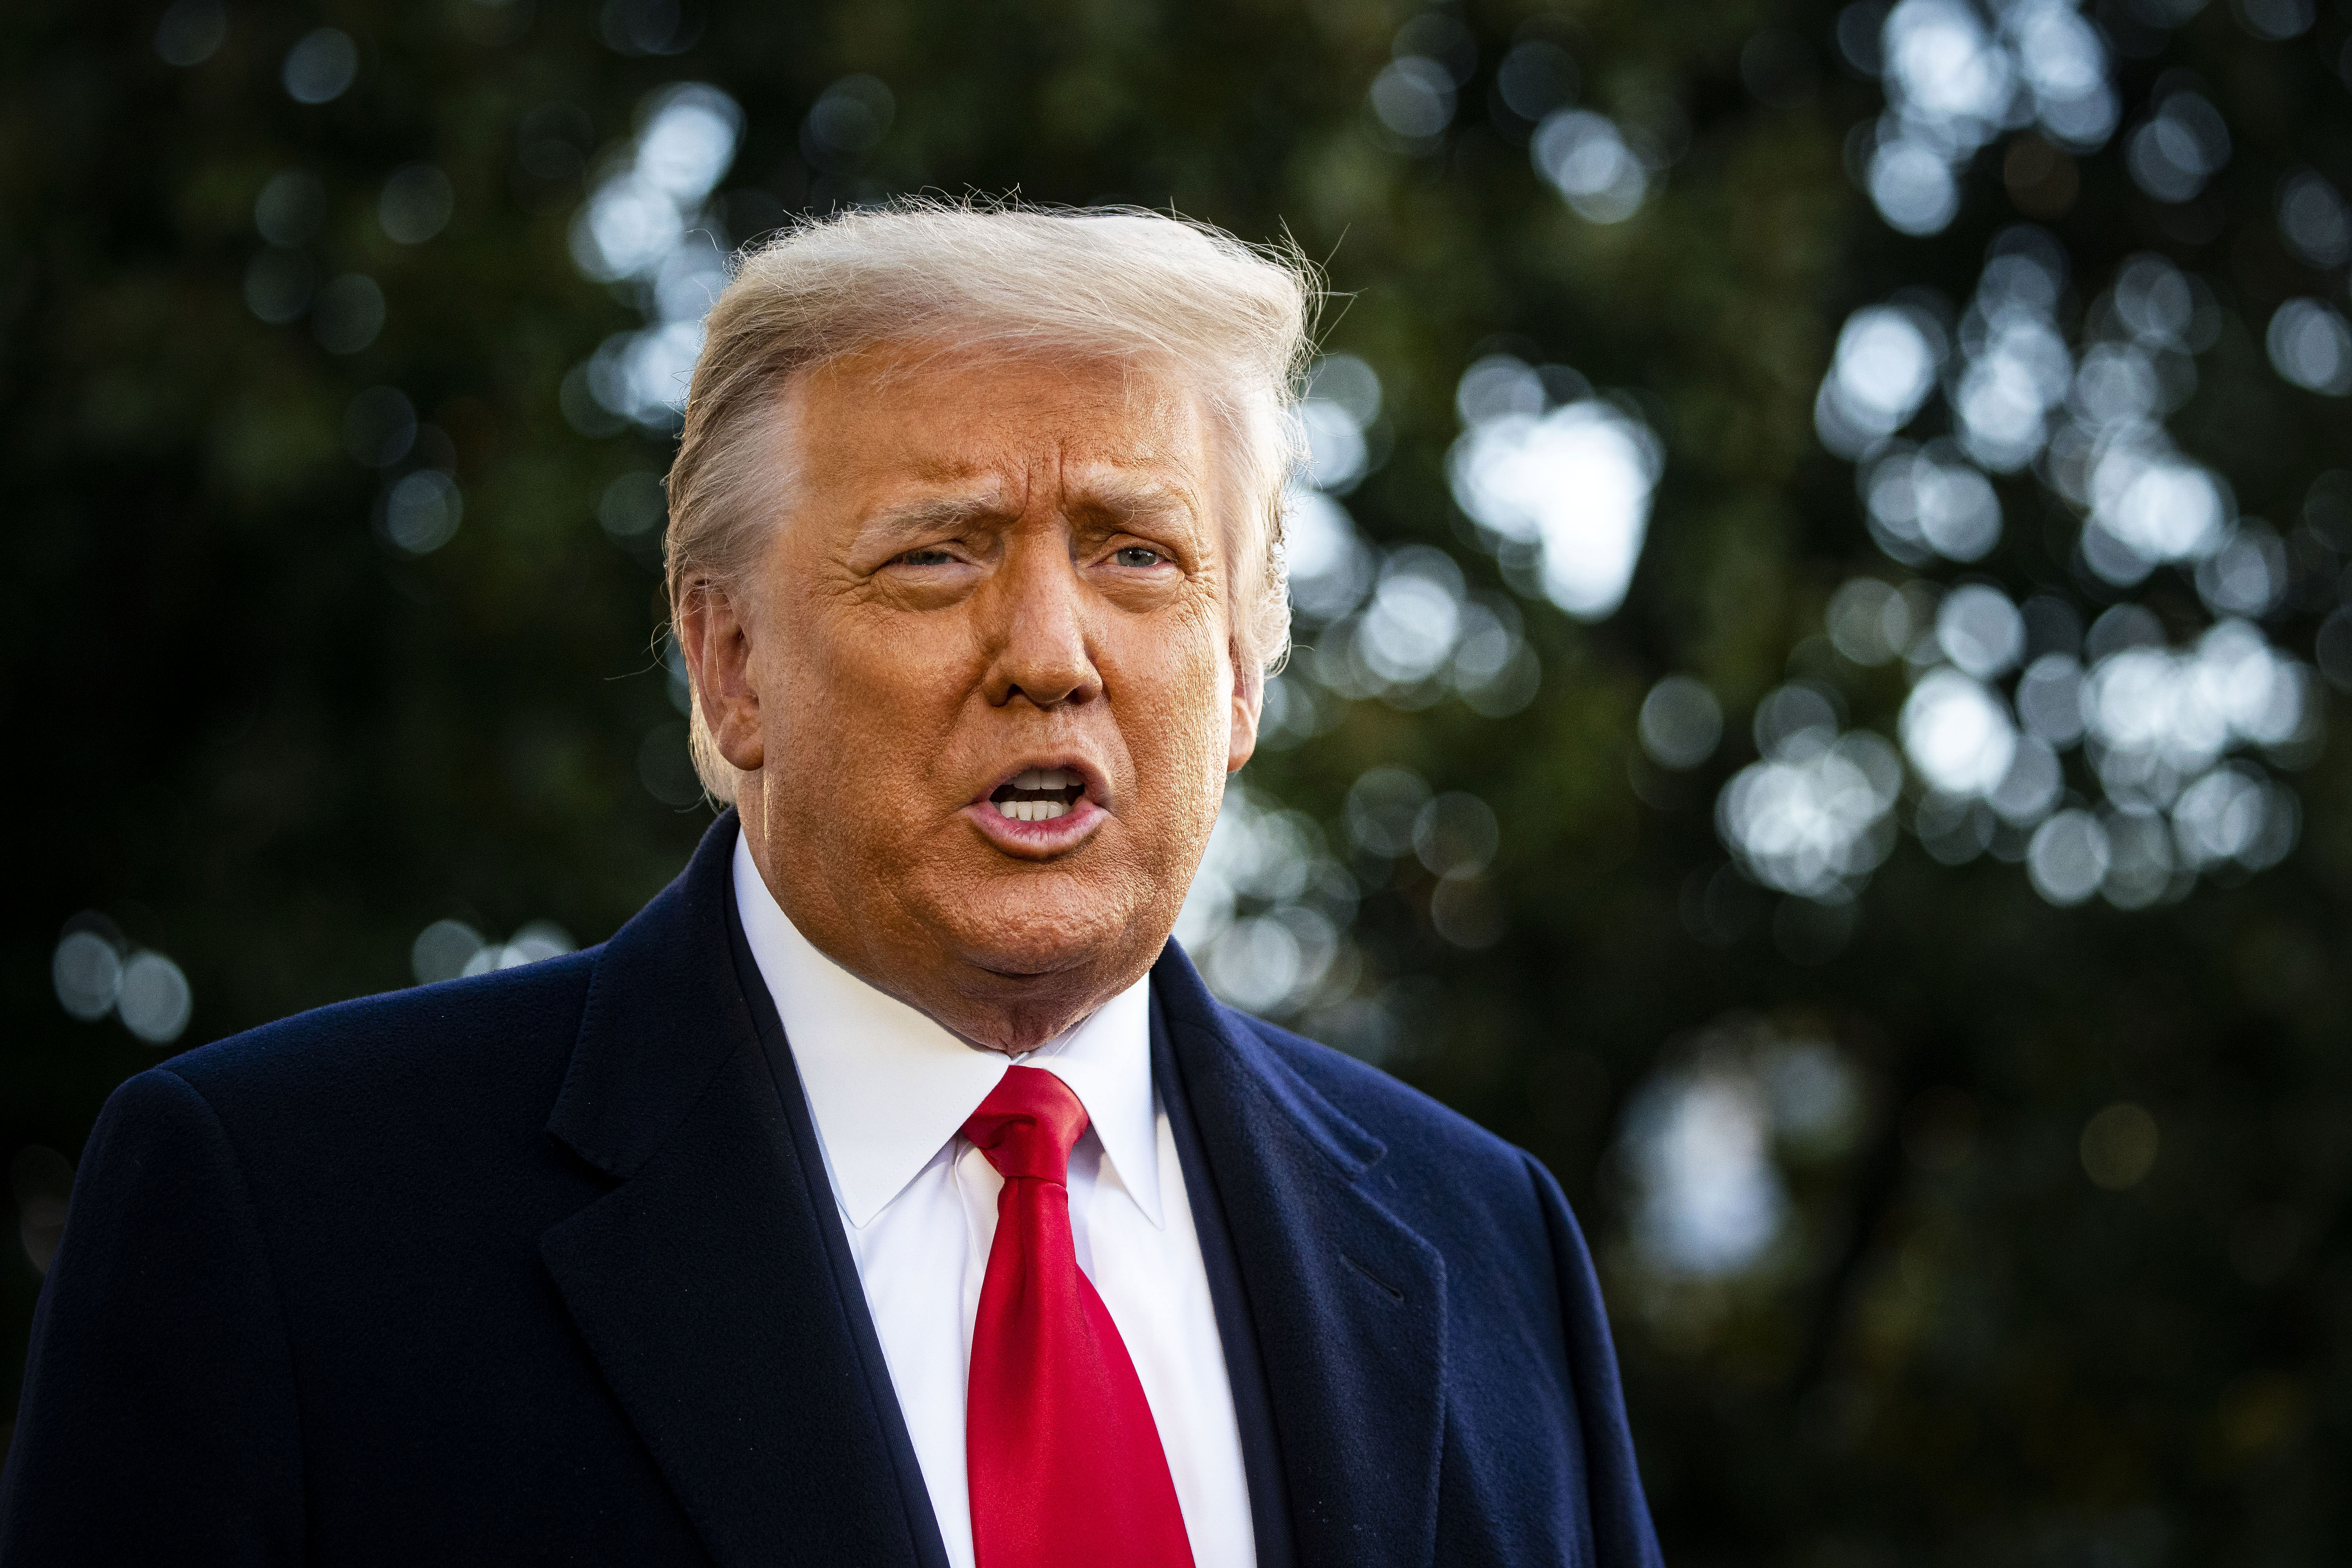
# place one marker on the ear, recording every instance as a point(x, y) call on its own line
point(1249, 700)
point(718, 649)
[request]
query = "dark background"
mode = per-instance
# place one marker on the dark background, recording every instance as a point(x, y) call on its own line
point(1941, 1222)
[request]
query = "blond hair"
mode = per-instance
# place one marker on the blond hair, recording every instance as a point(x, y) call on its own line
point(1233, 320)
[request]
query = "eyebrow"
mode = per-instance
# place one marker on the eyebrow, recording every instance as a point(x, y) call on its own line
point(1115, 491)
point(1126, 494)
point(928, 512)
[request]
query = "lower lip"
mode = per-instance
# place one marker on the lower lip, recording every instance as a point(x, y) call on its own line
point(1037, 840)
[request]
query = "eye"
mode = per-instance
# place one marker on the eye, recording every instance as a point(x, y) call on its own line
point(1139, 556)
point(932, 557)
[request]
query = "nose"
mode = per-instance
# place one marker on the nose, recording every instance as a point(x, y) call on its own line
point(1035, 616)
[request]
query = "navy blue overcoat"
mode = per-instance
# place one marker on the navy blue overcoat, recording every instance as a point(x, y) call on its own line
point(542, 1267)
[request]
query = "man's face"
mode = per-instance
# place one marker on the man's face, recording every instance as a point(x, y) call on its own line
point(983, 678)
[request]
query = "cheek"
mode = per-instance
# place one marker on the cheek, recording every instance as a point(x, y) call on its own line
point(862, 717)
point(1170, 659)
point(1179, 726)
point(855, 667)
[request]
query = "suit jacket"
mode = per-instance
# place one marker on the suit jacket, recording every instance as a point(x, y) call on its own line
point(542, 1267)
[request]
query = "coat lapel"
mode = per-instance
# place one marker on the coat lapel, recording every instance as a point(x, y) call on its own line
point(1348, 1303)
point(701, 1282)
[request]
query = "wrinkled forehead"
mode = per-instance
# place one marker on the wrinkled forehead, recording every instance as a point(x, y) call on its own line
point(1090, 427)
point(1100, 493)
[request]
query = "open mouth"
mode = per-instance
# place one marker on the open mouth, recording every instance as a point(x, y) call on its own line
point(1039, 794)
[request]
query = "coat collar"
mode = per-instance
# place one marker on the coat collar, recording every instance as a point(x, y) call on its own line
point(708, 1284)
point(1349, 1301)
point(705, 1283)
point(888, 1086)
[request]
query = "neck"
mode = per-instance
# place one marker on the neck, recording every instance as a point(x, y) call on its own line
point(1014, 1014)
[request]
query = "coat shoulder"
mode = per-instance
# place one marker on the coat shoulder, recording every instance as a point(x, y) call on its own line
point(502, 1036)
point(1416, 1129)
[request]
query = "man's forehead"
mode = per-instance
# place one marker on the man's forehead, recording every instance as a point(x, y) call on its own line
point(945, 492)
point(946, 406)
point(917, 435)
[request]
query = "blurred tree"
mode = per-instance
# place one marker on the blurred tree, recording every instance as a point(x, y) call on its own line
point(1819, 585)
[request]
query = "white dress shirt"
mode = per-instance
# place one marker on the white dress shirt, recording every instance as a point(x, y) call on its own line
point(889, 1089)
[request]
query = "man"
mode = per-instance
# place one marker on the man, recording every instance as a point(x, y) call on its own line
point(890, 1190)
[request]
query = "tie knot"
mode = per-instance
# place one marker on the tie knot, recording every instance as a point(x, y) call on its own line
point(1027, 1125)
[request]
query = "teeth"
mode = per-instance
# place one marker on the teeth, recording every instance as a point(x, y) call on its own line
point(1032, 810)
point(1045, 778)
point(1032, 779)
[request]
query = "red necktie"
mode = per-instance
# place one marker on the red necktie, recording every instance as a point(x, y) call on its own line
point(1065, 1466)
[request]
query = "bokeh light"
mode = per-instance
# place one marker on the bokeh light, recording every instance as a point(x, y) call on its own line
point(320, 67)
point(2087, 422)
point(153, 999)
point(291, 208)
point(2313, 220)
point(1414, 97)
point(1928, 503)
point(1401, 626)
point(191, 31)
point(95, 973)
point(1266, 915)
point(1956, 78)
point(452, 949)
point(1709, 1144)
point(1571, 481)
point(846, 122)
point(1979, 631)
point(416, 204)
point(347, 313)
point(1589, 160)
point(1680, 724)
point(88, 972)
point(1883, 370)
point(647, 223)
point(379, 427)
point(1699, 1147)
point(1812, 817)
point(2068, 858)
point(2180, 147)
point(2311, 347)
point(1958, 733)
point(421, 511)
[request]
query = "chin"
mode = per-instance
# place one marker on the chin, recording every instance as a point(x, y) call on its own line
point(1030, 929)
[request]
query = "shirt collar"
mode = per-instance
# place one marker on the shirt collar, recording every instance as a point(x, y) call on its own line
point(888, 1087)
